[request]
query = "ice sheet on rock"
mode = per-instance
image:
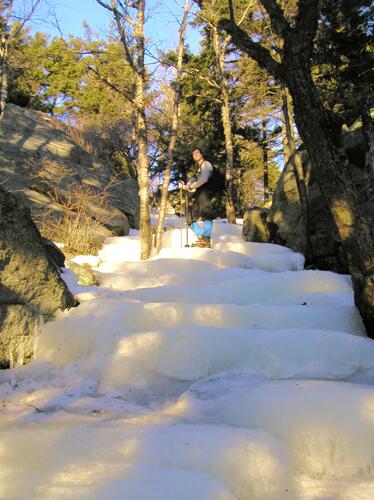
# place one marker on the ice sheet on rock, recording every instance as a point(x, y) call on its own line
point(236, 244)
point(94, 326)
point(177, 238)
point(91, 260)
point(221, 227)
point(156, 267)
point(121, 399)
point(155, 483)
point(78, 456)
point(118, 249)
point(304, 287)
point(275, 353)
point(81, 292)
point(327, 426)
point(170, 220)
point(127, 280)
point(271, 261)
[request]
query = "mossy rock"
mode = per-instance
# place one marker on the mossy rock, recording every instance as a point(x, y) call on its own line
point(85, 275)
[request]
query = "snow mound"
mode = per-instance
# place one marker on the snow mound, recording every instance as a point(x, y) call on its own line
point(273, 261)
point(304, 287)
point(118, 249)
point(217, 374)
point(274, 353)
point(221, 227)
point(327, 426)
point(122, 315)
point(236, 244)
point(79, 458)
point(156, 267)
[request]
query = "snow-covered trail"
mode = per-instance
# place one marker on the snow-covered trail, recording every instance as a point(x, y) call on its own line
point(229, 373)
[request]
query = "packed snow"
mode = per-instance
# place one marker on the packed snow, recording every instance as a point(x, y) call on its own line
point(200, 374)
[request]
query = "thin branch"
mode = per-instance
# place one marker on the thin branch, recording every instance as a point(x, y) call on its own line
point(277, 19)
point(114, 87)
point(255, 50)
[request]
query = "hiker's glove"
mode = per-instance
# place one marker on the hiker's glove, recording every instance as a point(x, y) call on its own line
point(182, 185)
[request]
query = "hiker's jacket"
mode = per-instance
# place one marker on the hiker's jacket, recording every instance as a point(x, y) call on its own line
point(209, 189)
point(205, 172)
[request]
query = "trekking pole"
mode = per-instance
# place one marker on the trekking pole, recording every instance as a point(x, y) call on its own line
point(186, 211)
point(181, 214)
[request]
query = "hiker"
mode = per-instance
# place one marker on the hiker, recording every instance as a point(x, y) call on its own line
point(207, 190)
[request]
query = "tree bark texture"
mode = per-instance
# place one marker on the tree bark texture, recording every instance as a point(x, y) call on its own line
point(265, 161)
point(220, 50)
point(141, 133)
point(333, 174)
point(174, 130)
point(131, 33)
point(3, 71)
point(292, 156)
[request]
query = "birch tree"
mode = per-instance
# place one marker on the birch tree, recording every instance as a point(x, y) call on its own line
point(220, 46)
point(129, 19)
point(174, 127)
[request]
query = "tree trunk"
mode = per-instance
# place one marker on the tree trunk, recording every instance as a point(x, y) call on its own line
point(368, 129)
point(141, 132)
point(174, 130)
point(293, 157)
point(220, 51)
point(3, 71)
point(265, 161)
point(320, 134)
point(333, 174)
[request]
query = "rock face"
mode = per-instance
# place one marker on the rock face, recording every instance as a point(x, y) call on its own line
point(286, 220)
point(255, 227)
point(30, 283)
point(46, 168)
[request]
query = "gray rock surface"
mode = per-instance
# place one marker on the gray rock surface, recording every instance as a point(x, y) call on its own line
point(255, 227)
point(18, 324)
point(30, 283)
point(47, 168)
point(85, 276)
point(287, 220)
point(54, 253)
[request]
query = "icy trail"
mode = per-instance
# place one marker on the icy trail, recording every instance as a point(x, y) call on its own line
point(218, 374)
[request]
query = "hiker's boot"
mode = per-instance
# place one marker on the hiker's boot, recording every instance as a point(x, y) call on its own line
point(202, 242)
point(206, 240)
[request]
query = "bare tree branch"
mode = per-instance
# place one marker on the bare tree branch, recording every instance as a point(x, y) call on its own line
point(277, 19)
point(253, 49)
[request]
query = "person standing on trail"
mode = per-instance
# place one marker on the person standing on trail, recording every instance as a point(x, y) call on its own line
point(207, 191)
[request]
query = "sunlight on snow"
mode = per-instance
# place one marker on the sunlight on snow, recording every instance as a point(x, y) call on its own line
point(221, 374)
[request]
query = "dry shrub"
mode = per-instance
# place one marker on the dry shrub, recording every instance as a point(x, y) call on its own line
point(75, 227)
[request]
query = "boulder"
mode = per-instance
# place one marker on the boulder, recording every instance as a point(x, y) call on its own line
point(54, 253)
point(30, 284)
point(255, 227)
point(85, 276)
point(287, 219)
point(50, 171)
point(17, 326)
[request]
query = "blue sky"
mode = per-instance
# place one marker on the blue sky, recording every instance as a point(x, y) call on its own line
point(161, 27)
